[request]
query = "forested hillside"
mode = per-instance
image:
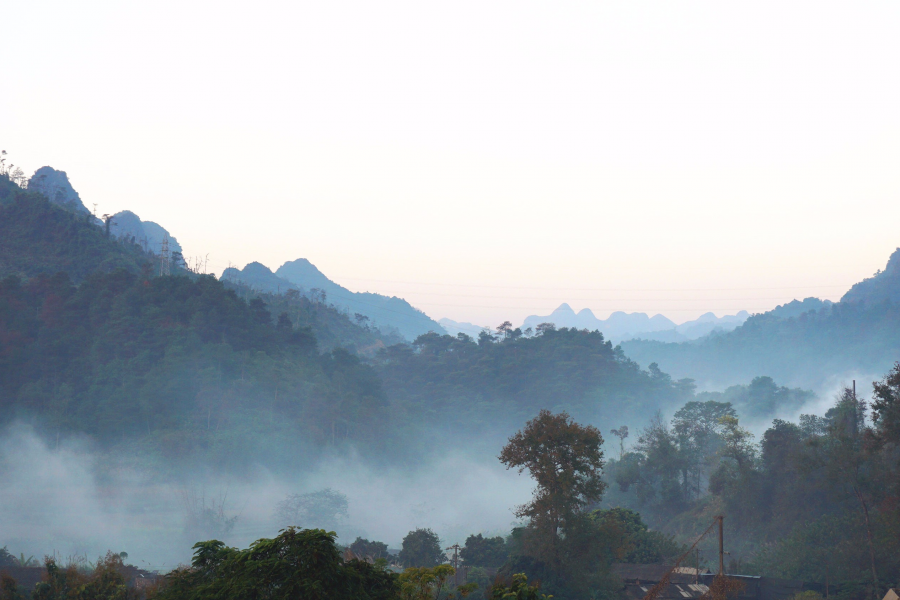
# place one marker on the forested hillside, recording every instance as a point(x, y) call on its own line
point(814, 500)
point(39, 237)
point(480, 390)
point(859, 336)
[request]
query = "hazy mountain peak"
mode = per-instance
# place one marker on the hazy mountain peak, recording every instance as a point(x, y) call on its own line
point(563, 309)
point(258, 277)
point(148, 234)
point(56, 187)
point(662, 322)
point(384, 311)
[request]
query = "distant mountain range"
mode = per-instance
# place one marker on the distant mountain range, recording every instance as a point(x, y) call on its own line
point(809, 343)
point(622, 326)
point(384, 312)
point(454, 328)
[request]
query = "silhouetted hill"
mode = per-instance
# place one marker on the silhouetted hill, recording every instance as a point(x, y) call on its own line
point(332, 327)
point(382, 311)
point(807, 344)
point(881, 287)
point(56, 187)
point(258, 277)
point(37, 236)
point(147, 234)
point(625, 326)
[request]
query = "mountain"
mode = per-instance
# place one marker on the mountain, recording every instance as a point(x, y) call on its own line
point(454, 328)
point(622, 326)
point(881, 287)
point(147, 234)
point(810, 343)
point(795, 308)
point(38, 236)
point(258, 277)
point(709, 322)
point(618, 326)
point(56, 187)
point(382, 311)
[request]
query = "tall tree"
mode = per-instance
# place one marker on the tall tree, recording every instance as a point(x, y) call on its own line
point(566, 462)
point(421, 548)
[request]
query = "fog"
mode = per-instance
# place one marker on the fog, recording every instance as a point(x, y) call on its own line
point(76, 500)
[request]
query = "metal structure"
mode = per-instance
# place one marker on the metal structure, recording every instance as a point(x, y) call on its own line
point(720, 586)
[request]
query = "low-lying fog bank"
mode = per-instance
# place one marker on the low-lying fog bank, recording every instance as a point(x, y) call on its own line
point(73, 500)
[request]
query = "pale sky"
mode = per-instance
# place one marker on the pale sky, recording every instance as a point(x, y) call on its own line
point(484, 160)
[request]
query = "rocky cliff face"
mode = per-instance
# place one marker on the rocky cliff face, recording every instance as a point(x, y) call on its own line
point(56, 187)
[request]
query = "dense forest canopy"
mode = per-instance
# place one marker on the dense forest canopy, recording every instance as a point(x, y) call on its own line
point(185, 373)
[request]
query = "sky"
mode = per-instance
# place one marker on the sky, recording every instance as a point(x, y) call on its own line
point(484, 160)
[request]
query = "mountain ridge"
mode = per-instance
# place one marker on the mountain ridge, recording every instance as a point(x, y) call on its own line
point(621, 326)
point(385, 312)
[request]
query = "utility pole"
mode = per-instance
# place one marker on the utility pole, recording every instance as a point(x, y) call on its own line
point(455, 559)
point(721, 519)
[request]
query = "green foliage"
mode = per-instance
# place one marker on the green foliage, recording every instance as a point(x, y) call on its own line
point(566, 462)
point(494, 385)
point(7, 559)
point(518, 589)
point(431, 583)
point(815, 501)
point(561, 545)
point(484, 552)
point(9, 589)
point(331, 327)
point(177, 365)
point(421, 548)
point(638, 543)
point(366, 549)
point(104, 582)
point(808, 349)
point(295, 564)
point(37, 237)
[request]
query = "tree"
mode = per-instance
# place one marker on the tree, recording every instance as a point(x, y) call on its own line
point(886, 407)
point(295, 564)
point(848, 461)
point(621, 433)
point(480, 551)
point(737, 442)
point(698, 429)
point(365, 549)
point(566, 462)
point(428, 583)
point(421, 548)
point(518, 589)
point(638, 543)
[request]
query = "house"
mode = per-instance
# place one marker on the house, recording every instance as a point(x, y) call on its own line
point(688, 582)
